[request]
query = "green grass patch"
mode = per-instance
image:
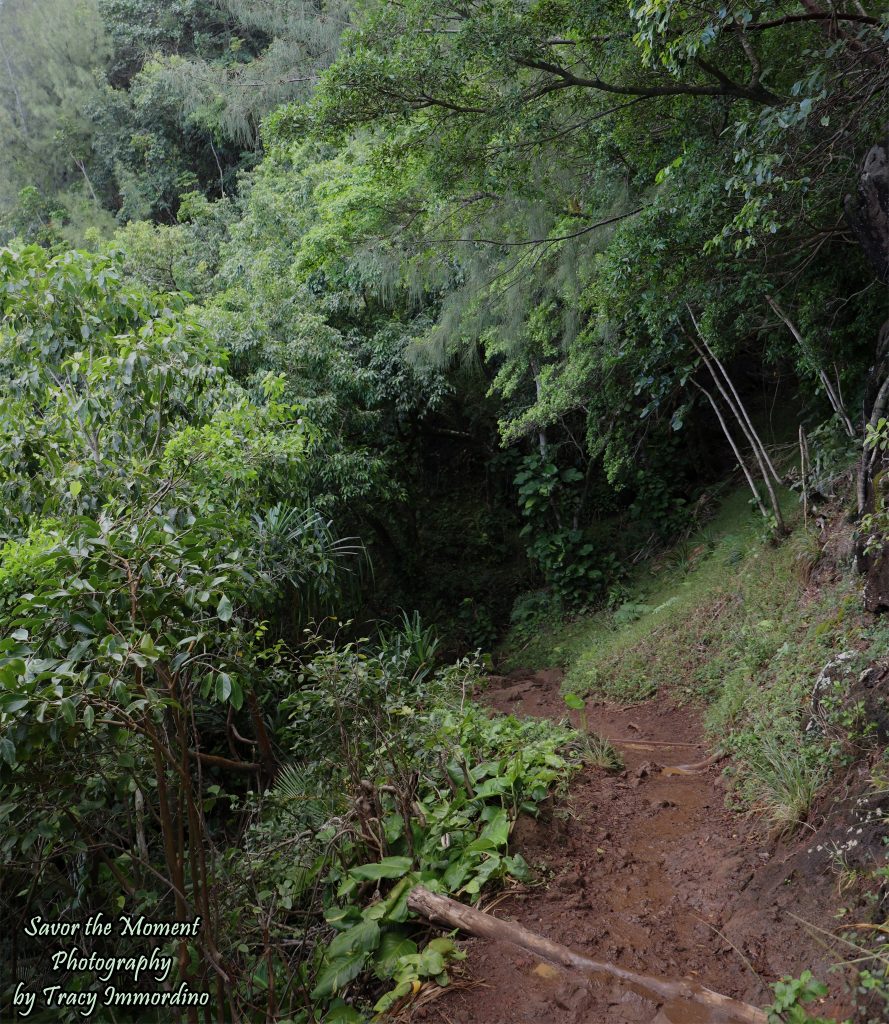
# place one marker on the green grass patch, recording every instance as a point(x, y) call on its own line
point(742, 627)
point(609, 653)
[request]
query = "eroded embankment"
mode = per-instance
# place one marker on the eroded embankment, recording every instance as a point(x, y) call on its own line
point(647, 869)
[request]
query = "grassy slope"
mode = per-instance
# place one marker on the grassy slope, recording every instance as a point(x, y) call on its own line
point(742, 627)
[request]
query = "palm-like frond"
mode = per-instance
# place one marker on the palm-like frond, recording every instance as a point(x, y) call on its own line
point(298, 789)
point(299, 547)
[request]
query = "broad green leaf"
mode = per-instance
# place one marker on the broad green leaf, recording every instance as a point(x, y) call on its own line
point(387, 1001)
point(364, 937)
point(393, 946)
point(442, 945)
point(493, 787)
point(68, 711)
point(146, 645)
point(388, 867)
point(431, 961)
point(343, 1014)
point(497, 829)
point(337, 917)
point(456, 874)
point(338, 974)
point(10, 703)
point(518, 867)
point(223, 686)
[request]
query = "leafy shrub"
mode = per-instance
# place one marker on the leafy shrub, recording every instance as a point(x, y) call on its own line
point(629, 612)
point(576, 569)
point(791, 997)
point(410, 642)
point(530, 611)
point(430, 786)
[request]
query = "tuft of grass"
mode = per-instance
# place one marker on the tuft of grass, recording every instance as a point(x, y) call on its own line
point(680, 559)
point(598, 752)
point(411, 641)
point(784, 782)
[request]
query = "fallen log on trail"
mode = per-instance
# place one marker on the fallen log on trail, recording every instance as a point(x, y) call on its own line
point(694, 769)
point(445, 911)
point(654, 743)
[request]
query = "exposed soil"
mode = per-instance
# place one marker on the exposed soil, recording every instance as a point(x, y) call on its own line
point(647, 869)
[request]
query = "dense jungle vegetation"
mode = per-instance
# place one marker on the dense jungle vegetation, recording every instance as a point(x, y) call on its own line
point(341, 340)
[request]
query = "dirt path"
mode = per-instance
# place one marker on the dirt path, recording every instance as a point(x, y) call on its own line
point(646, 869)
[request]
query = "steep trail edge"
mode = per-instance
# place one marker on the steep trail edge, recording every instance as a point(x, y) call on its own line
point(646, 869)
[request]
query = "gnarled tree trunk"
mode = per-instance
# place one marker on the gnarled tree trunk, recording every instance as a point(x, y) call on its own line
point(867, 213)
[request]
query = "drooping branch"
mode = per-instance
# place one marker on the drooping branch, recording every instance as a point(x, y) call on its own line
point(790, 19)
point(804, 470)
point(832, 394)
point(81, 166)
point(736, 404)
point(542, 241)
point(561, 78)
point(740, 413)
point(214, 761)
point(731, 441)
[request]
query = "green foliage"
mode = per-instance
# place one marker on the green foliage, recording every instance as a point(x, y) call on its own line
point(132, 578)
point(81, 649)
point(412, 968)
point(782, 777)
point(437, 785)
point(35, 218)
point(531, 613)
point(110, 389)
point(568, 561)
point(142, 28)
point(410, 642)
point(569, 235)
point(791, 997)
point(49, 52)
point(148, 544)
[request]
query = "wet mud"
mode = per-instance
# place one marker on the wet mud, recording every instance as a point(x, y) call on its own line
point(647, 869)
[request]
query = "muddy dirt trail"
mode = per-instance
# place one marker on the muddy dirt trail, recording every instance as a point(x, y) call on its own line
point(646, 869)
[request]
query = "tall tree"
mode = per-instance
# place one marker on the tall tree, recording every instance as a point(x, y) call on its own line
point(50, 52)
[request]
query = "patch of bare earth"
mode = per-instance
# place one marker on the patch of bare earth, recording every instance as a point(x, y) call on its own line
point(646, 869)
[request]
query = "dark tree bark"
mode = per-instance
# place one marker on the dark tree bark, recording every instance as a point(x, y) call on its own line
point(867, 211)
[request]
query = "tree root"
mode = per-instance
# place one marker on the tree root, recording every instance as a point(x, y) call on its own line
point(694, 769)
